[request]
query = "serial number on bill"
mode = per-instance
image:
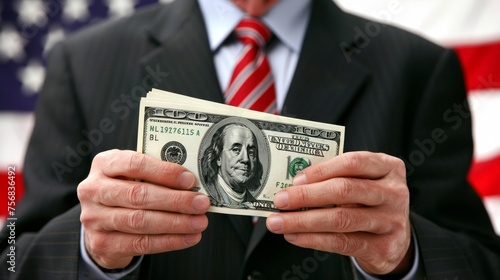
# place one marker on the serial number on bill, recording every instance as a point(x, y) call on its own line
point(174, 130)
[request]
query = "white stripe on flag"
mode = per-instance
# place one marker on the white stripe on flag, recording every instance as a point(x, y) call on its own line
point(485, 108)
point(446, 22)
point(16, 129)
point(492, 204)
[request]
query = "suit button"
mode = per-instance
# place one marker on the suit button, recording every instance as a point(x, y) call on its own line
point(255, 275)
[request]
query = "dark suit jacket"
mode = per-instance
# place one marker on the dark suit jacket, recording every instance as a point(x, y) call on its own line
point(394, 92)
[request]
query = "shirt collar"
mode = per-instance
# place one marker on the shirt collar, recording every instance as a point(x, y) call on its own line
point(238, 197)
point(287, 19)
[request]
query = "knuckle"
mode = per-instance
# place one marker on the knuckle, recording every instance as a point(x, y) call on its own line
point(105, 262)
point(341, 220)
point(137, 195)
point(81, 191)
point(349, 245)
point(301, 223)
point(103, 157)
point(342, 244)
point(86, 190)
point(320, 170)
point(302, 194)
point(354, 161)
point(136, 220)
point(396, 164)
point(344, 189)
point(169, 168)
point(405, 200)
point(392, 252)
point(401, 225)
point(386, 227)
point(398, 192)
point(141, 244)
point(400, 166)
point(86, 218)
point(98, 244)
point(177, 200)
point(136, 162)
point(388, 252)
point(89, 219)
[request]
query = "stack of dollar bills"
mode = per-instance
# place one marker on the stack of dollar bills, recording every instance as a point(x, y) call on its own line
point(241, 158)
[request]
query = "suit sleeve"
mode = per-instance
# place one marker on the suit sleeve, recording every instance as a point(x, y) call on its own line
point(50, 254)
point(438, 162)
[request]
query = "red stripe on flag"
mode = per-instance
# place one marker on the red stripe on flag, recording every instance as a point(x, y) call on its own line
point(481, 64)
point(10, 191)
point(485, 177)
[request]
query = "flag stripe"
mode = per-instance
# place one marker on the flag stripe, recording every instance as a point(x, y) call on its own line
point(481, 65)
point(463, 22)
point(16, 129)
point(6, 197)
point(486, 175)
point(485, 108)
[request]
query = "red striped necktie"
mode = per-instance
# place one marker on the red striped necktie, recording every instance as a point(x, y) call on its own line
point(252, 83)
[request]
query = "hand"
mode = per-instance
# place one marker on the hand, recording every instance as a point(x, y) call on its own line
point(123, 217)
point(359, 206)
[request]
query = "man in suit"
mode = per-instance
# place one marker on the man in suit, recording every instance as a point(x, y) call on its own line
point(394, 92)
point(230, 165)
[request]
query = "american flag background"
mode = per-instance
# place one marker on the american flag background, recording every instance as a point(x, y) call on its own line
point(29, 28)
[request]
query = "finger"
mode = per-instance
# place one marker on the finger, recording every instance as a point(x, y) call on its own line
point(380, 254)
point(335, 220)
point(354, 164)
point(143, 195)
point(115, 249)
point(135, 165)
point(337, 191)
point(348, 244)
point(148, 222)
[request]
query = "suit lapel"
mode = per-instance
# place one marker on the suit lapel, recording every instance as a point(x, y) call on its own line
point(183, 54)
point(325, 83)
point(258, 233)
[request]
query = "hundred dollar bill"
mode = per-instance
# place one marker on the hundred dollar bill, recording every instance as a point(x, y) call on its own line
point(241, 158)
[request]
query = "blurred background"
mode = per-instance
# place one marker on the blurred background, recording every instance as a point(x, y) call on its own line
point(29, 28)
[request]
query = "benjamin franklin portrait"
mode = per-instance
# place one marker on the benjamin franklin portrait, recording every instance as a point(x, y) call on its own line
point(231, 169)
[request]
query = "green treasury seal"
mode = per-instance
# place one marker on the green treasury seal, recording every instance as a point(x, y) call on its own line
point(297, 165)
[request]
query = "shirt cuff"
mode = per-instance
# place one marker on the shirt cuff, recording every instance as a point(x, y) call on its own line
point(416, 271)
point(89, 270)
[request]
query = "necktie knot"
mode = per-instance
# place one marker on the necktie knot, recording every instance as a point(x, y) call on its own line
point(252, 31)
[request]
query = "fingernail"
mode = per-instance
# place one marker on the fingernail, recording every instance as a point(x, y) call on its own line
point(201, 203)
point(191, 239)
point(275, 222)
point(186, 180)
point(290, 237)
point(281, 199)
point(198, 222)
point(300, 179)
